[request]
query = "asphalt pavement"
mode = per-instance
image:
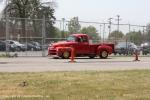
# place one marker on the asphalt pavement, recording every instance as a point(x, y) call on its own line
point(44, 64)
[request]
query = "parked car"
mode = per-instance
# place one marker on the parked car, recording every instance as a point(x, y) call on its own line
point(36, 44)
point(3, 46)
point(145, 48)
point(32, 47)
point(125, 48)
point(18, 46)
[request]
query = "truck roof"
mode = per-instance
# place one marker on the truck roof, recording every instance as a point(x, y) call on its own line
point(79, 34)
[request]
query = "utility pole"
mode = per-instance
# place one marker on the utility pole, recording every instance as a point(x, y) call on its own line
point(129, 28)
point(63, 33)
point(100, 32)
point(110, 22)
point(118, 23)
point(143, 29)
point(43, 36)
point(143, 32)
point(104, 32)
point(7, 28)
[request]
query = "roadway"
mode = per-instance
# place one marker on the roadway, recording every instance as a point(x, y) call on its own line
point(42, 64)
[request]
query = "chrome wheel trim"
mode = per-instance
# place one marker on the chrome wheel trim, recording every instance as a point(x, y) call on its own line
point(104, 54)
point(66, 54)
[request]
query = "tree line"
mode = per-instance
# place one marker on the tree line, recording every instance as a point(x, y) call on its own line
point(36, 9)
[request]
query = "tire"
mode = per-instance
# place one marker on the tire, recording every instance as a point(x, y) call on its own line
point(103, 54)
point(32, 49)
point(66, 55)
point(144, 53)
point(18, 49)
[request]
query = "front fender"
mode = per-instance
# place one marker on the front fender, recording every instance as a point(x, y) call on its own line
point(60, 50)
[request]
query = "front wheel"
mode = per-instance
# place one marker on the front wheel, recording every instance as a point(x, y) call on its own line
point(103, 54)
point(18, 49)
point(66, 55)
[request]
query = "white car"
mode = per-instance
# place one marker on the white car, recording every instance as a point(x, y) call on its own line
point(18, 46)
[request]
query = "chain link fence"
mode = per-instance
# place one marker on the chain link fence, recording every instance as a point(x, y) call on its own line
point(31, 37)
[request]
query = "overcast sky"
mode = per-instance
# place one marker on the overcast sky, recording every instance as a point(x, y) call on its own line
point(1, 5)
point(130, 11)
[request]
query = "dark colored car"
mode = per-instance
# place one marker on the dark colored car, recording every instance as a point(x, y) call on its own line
point(36, 44)
point(3, 46)
point(32, 47)
point(146, 48)
point(125, 48)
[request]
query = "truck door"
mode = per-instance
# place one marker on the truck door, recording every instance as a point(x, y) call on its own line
point(83, 45)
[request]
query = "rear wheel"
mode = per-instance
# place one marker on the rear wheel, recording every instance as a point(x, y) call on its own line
point(104, 54)
point(66, 55)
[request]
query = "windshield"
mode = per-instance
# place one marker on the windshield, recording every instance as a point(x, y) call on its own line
point(71, 38)
point(17, 43)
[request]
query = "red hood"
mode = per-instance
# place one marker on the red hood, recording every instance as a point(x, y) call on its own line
point(63, 43)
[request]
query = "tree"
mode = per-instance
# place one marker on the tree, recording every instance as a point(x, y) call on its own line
point(30, 9)
point(55, 34)
point(116, 35)
point(91, 31)
point(48, 12)
point(135, 37)
point(73, 25)
point(2, 28)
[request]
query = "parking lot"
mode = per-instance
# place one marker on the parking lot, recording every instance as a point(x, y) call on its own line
point(42, 64)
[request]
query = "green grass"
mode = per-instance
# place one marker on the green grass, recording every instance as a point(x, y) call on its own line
point(90, 85)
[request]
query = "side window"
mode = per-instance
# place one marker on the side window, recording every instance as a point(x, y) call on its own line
point(11, 42)
point(84, 39)
point(79, 39)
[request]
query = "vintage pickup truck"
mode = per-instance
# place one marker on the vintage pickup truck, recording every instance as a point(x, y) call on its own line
point(82, 47)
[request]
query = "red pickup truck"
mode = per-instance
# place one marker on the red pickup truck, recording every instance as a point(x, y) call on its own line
point(82, 47)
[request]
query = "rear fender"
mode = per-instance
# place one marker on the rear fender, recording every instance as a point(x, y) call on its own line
point(104, 48)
